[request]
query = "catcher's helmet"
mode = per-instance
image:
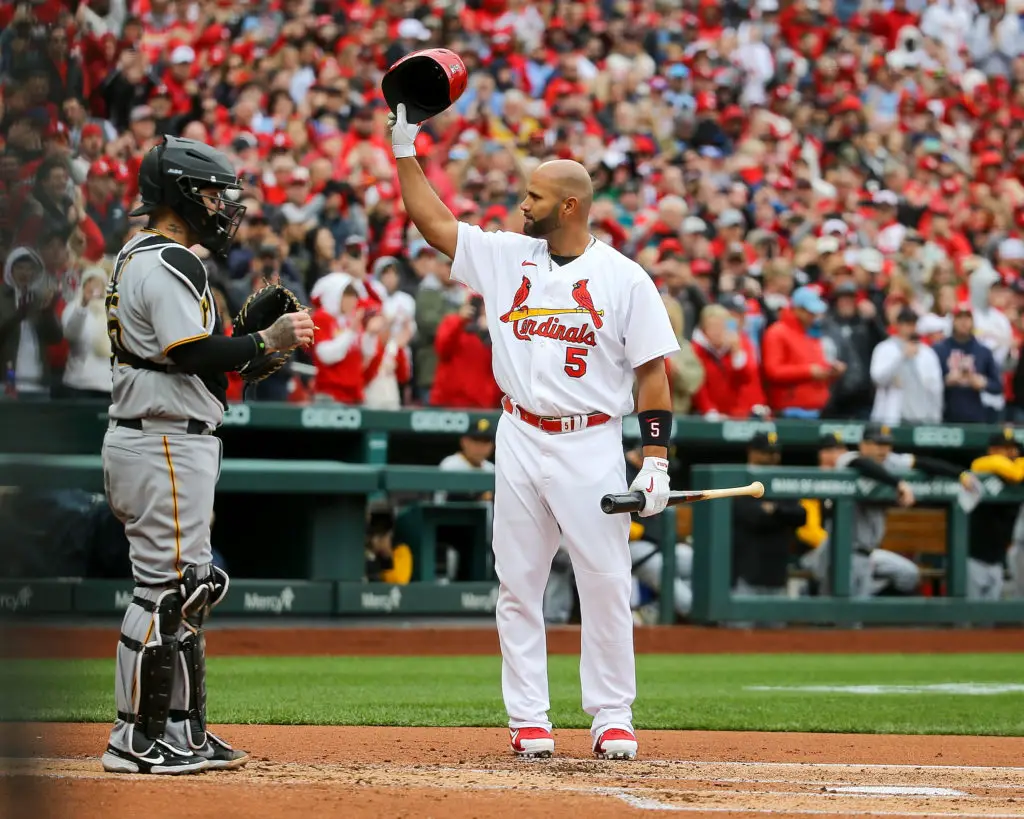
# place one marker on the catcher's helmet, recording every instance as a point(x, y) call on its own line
point(426, 81)
point(174, 175)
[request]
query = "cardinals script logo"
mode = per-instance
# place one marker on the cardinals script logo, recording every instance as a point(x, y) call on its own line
point(529, 321)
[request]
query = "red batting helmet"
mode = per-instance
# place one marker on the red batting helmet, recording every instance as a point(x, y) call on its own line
point(426, 81)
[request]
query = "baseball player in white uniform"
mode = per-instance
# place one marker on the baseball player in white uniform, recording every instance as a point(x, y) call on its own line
point(575, 322)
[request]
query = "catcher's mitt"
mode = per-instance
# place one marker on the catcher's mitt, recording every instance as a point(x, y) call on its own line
point(260, 310)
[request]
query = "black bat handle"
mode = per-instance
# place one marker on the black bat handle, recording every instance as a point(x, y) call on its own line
point(626, 502)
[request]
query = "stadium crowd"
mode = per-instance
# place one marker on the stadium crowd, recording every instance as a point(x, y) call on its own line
point(830, 193)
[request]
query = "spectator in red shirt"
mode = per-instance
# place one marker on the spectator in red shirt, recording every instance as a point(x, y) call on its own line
point(464, 377)
point(342, 350)
point(732, 382)
point(797, 374)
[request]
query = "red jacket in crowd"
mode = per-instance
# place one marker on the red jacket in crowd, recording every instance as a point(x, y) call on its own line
point(732, 383)
point(338, 355)
point(464, 377)
point(787, 355)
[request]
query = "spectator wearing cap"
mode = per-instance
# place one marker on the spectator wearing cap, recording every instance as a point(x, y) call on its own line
point(28, 322)
point(854, 324)
point(907, 376)
point(177, 79)
point(732, 382)
point(464, 377)
point(90, 149)
point(300, 205)
point(764, 530)
point(104, 207)
point(968, 370)
point(797, 373)
point(731, 225)
point(87, 373)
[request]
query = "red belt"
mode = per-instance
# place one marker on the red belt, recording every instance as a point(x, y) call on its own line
point(547, 423)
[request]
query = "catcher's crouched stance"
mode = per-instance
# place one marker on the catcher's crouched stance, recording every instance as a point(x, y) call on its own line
point(161, 460)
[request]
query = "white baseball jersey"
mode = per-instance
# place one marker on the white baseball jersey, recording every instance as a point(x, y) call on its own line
point(565, 338)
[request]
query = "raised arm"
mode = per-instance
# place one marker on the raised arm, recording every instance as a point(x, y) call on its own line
point(431, 216)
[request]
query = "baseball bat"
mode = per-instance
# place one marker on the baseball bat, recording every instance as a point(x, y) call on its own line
point(634, 501)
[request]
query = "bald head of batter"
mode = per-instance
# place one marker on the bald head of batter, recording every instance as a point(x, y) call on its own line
point(557, 206)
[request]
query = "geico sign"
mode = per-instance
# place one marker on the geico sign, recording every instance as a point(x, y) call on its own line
point(427, 421)
point(331, 418)
point(938, 436)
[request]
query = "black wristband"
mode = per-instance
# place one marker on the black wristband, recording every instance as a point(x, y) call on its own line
point(655, 428)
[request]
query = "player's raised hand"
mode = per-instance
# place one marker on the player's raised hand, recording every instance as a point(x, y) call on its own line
point(403, 134)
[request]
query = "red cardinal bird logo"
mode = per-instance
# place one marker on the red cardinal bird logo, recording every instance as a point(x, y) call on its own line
point(519, 299)
point(582, 298)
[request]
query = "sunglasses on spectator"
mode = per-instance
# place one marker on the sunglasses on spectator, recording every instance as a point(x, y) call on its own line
point(355, 251)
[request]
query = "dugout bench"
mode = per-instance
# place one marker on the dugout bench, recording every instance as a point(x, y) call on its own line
point(714, 602)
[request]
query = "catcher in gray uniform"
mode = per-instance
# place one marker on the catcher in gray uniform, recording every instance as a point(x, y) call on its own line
point(161, 459)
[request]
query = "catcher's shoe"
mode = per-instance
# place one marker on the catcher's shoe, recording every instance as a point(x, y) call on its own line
point(220, 756)
point(161, 758)
point(616, 743)
point(532, 743)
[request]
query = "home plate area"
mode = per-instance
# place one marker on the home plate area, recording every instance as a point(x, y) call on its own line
point(384, 772)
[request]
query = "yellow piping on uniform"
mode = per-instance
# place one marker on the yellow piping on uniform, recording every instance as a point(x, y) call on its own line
point(185, 341)
point(174, 498)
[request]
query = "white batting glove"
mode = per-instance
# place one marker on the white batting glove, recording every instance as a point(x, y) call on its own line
point(403, 135)
point(652, 480)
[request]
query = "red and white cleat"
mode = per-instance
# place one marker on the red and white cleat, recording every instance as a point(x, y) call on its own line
point(615, 743)
point(532, 743)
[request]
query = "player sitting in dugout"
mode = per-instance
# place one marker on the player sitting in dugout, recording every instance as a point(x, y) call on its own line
point(763, 530)
point(991, 529)
point(874, 571)
point(385, 562)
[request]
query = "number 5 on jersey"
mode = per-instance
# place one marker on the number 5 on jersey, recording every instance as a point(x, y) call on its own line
point(575, 361)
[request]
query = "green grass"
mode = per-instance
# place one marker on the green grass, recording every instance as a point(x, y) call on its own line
point(678, 691)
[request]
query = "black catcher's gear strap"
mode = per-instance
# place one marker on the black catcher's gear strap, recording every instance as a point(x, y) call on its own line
point(156, 667)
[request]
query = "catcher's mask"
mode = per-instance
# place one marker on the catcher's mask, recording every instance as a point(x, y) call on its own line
point(178, 174)
point(427, 82)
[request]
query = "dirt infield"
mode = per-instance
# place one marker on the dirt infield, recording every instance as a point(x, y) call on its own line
point(53, 770)
point(39, 641)
point(466, 772)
